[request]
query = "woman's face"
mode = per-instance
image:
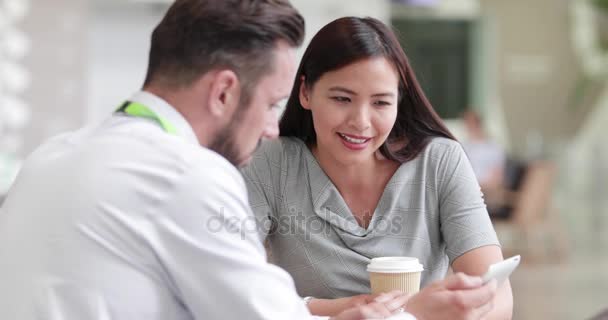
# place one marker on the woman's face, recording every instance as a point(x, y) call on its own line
point(353, 109)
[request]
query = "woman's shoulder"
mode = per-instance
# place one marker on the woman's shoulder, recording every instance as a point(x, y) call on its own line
point(439, 152)
point(441, 147)
point(288, 145)
point(279, 150)
point(443, 143)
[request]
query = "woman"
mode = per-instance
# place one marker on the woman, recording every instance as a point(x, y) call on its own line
point(365, 168)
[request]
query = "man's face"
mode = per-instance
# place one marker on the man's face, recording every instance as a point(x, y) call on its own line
point(259, 120)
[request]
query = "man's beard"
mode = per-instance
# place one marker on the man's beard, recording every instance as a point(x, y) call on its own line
point(225, 143)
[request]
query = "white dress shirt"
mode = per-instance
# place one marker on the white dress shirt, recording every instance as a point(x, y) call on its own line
point(124, 221)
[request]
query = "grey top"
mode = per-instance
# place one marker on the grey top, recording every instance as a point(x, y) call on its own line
point(432, 208)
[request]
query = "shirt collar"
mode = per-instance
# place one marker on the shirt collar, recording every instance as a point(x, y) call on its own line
point(164, 110)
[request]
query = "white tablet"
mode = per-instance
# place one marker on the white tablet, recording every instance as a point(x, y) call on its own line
point(501, 270)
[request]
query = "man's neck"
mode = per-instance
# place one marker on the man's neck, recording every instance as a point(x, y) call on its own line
point(182, 102)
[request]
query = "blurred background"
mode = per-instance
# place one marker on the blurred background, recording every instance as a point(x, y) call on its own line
point(521, 83)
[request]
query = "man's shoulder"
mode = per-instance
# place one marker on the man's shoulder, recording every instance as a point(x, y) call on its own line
point(211, 163)
point(135, 153)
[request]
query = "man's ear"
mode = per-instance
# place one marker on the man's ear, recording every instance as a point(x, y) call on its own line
point(224, 94)
point(304, 94)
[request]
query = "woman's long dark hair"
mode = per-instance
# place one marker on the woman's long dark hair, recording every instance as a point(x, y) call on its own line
point(351, 39)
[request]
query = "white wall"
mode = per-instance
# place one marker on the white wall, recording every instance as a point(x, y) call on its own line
point(583, 188)
point(87, 56)
point(318, 13)
point(56, 62)
point(118, 43)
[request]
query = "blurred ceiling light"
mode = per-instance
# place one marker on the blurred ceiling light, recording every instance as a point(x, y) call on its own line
point(15, 113)
point(426, 3)
point(16, 9)
point(14, 77)
point(15, 43)
point(153, 1)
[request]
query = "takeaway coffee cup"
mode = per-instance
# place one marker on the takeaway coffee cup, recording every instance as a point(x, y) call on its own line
point(394, 273)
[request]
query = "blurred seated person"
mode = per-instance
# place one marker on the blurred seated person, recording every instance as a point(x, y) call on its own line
point(488, 160)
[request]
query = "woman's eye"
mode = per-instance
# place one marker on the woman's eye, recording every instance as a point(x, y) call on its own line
point(382, 103)
point(341, 99)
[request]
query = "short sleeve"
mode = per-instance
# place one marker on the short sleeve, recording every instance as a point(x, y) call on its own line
point(465, 223)
point(263, 179)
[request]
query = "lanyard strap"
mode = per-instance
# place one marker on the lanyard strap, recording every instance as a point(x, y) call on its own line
point(139, 110)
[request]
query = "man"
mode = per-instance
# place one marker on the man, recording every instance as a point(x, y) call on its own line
point(141, 217)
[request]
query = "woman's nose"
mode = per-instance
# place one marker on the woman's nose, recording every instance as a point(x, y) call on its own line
point(360, 119)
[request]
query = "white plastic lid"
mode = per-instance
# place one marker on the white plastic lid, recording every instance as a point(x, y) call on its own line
point(394, 265)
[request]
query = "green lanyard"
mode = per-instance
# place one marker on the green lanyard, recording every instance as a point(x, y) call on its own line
point(139, 110)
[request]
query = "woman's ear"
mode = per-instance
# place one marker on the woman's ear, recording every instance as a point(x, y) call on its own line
point(304, 98)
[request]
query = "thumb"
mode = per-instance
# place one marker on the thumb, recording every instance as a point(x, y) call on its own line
point(461, 281)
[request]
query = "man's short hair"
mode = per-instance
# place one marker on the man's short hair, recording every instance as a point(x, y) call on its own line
point(198, 36)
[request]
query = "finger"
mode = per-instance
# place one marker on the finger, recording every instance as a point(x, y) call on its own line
point(380, 310)
point(480, 312)
point(371, 297)
point(475, 298)
point(398, 303)
point(461, 281)
point(388, 296)
point(373, 311)
point(361, 299)
point(375, 295)
point(350, 314)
